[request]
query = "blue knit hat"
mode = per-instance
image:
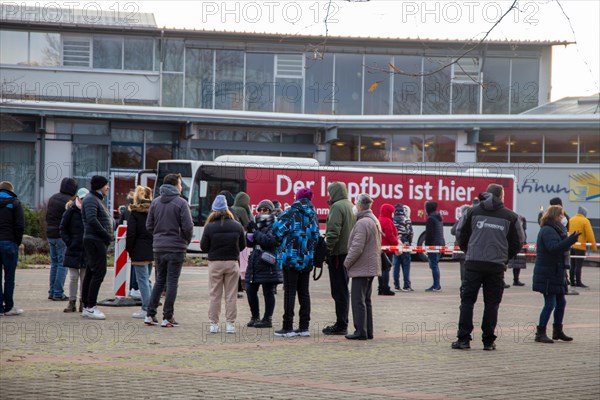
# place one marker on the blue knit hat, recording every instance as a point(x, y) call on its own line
point(220, 203)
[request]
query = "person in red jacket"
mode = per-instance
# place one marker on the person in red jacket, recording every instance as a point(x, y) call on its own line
point(388, 238)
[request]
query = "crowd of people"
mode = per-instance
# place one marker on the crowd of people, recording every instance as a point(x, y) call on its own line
point(282, 246)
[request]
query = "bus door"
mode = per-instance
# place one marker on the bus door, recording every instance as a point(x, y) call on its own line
point(210, 180)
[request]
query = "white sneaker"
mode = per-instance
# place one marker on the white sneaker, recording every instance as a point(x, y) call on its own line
point(213, 328)
point(14, 311)
point(135, 293)
point(302, 333)
point(94, 313)
point(139, 314)
point(230, 327)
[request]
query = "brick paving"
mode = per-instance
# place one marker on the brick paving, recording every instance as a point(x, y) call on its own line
point(47, 354)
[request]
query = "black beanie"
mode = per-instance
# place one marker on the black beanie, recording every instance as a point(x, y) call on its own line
point(556, 201)
point(98, 182)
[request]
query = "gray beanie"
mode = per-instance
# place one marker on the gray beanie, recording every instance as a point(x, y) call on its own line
point(582, 210)
point(268, 204)
point(220, 203)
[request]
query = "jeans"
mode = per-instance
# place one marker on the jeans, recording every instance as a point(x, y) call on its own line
point(556, 302)
point(493, 288)
point(362, 311)
point(384, 281)
point(268, 294)
point(338, 281)
point(95, 252)
point(434, 258)
point(402, 260)
point(58, 272)
point(168, 267)
point(9, 254)
point(295, 281)
point(142, 274)
point(133, 282)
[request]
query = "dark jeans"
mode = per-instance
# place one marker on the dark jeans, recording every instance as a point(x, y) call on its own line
point(403, 260)
point(95, 252)
point(338, 281)
point(493, 288)
point(9, 255)
point(133, 280)
point(556, 302)
point(168, 268)
point(576, 267)
point(296, 281)
point(434, 259)
point(383, 281)
point(268, 294)
point(58, 272)
point(362, 312)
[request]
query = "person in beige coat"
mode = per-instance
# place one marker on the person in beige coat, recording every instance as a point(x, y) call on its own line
point(363, 263)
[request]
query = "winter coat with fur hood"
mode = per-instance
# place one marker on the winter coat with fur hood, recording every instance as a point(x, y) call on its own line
point(139, 241)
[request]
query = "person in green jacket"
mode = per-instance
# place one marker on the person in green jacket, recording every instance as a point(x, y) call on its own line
point(340, 221)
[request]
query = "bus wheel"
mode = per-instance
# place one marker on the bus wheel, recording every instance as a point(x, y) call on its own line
point(421, 256)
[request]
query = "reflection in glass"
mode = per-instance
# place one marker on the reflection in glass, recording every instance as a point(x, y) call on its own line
point(13, 47)
point(319, 84)
point(560, 148)
point(377, 98)
point(80, 128)
point(89, 160)
point(493, 147)
point(288, 95)
point(526, 147)
point(407, 85)
point(126, 156)
point(156, 152)
point(17, 165)
point(589, 148)
point(44, 49)
point(525, 84)
point(229, 82)
point(348, 84)
point(436, 87)
point(440, 148)
point(138, 53)
point(259, 81)
point(172, 90)
point(108, 52)
point(496, 85)
point(198, 78)
point(375, 147)
point(407, 148)
point(173, 55)
point(345, 148)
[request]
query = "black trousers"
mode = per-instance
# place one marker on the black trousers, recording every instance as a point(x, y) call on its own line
point(362, 311)
point(338, 281)
point(168, 267)
point(493, 288)
point(95, 252)
point(576, 267)
point(295, 281)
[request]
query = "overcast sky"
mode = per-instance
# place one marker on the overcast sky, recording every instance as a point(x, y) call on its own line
point(575, 69)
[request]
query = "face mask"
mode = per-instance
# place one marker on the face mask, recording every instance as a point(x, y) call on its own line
point(354, 210)
point(564, 221)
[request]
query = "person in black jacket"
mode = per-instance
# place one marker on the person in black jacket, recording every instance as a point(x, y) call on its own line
point(434, 236)
point(550, 272)
point(54, 213)
point(489, 238)
point(138, 244)
point(97, 235)
point(12, 226)
point(223, 239)
point(261, 271)
point(71, 232)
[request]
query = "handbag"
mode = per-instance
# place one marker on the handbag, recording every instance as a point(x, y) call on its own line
point(269, 258)
point(386, 264)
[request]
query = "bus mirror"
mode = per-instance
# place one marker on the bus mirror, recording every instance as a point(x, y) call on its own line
point(203, 188)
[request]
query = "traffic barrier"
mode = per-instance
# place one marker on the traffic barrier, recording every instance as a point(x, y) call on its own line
point(457, 250)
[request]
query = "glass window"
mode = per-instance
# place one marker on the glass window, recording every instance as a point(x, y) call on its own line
point(229, 82)
point(81, 127)
point(496, 85)
point(288, 95)
point(172, 90)
point(232, 135)
point(589, 148)
point(345, 148)
point(319, 91)
point(436, 87)
point(89, 160)
point(377, 85)
point(492, 147)
point(156, 152)
point(138, 53)
point(198, 78)
point(173, 55)
point(259, 81)
point(291, 154)
point(126, 156)
point(301, 138)
point(348, 84)
point(44, 49)
point(526, 147)
point(525, 85)
point(407, 148)
point(265, 137)
point(108, 52)
point(17, 165)
point(375, 147)
point(127, 135)
point(13, 48)
point(202, 154)
point(560, 147)
point(407, 88)
point(440, 148)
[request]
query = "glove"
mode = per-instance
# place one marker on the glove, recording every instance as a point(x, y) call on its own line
point(249, 237)
point(251, 226)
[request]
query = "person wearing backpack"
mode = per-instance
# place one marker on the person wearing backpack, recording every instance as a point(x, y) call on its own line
point(405, 236)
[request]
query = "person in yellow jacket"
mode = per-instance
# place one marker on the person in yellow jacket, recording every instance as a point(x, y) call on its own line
point(580, 223)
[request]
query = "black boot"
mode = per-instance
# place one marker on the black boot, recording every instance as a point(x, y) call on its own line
point(252, 323)
point(558, 334)
point(71, 307)
point(540, 335)
point(80, 306)
point(264, 323)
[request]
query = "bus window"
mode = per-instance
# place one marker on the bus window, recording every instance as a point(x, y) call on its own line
point(164, 169)
point(217, 179)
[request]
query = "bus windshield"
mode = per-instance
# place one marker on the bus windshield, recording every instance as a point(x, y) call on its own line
point(182, 168)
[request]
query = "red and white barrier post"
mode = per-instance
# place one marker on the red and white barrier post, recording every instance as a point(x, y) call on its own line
point(122, 264)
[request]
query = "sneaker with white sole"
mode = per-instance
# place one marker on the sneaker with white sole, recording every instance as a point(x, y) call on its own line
point(302, 332)
point(135, 293)
point(139, 314)
point(150, 320)
point(169, 323)
point(213, 328)
point(284, 333)
point(94, 313)
point(13, 311)
point(230, 327)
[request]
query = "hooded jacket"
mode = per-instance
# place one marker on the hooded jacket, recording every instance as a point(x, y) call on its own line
point(489, 235)
point(389, 235)
point(403, 225)
point(138, 241)
point(12, 221)
point(97, 222)
point(56, 207)
point(71, 232)
point(364, 247)
point(170, 221)
point(297, 233)
point(580, 223)
point(258, 270)
point(241, 209)
point(434, 227)
point(340, 220)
